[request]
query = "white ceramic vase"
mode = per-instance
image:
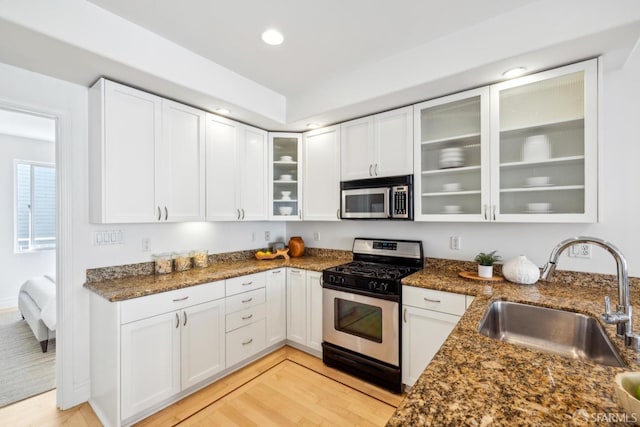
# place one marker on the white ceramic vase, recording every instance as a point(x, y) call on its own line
point(485, 271)
point(521, 270)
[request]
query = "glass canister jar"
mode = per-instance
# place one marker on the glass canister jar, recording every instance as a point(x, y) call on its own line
point(181, 261)
point(200, 259)
point(296, 246)
point(163, 263)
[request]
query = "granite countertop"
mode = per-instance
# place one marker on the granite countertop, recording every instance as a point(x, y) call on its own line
point(134, 286)
point(478, 381)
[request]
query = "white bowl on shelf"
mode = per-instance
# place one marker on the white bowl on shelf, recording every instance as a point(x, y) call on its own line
point(285, 194)
point(451, 186)
point(285, 210)
point(535, 148)
point(286, 158)
point(286, 177)
point(538, 207)
point(451, 209)
point(537, 181)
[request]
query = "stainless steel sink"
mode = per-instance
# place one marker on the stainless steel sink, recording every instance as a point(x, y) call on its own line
point(565, 333)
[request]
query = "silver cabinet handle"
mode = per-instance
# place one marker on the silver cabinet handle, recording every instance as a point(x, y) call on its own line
point(238, 216)
point(177, 321)
point(432, 300)
point(276, 271)
point(296, 271)
point(370, 167)
point(404, 315)
point(159, 214)
point(184, 313)
point(166, 213)
point(494, 212)
point(181, 299)
point(338, 213)
point(485, 212)
point(244, 301)
point(375, 169)
point(247, 317)
point(300, 213)
point(248, 342)
point(247, 283)
point(242, 213)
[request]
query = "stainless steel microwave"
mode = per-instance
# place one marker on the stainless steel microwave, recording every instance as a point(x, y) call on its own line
point(377, 198)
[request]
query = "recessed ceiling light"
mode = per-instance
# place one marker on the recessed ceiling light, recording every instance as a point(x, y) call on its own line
point(222, 111)
point(272, 37)
point(514, 72)
point(313, 125)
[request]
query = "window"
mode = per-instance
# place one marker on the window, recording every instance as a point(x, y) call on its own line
point(35, 206)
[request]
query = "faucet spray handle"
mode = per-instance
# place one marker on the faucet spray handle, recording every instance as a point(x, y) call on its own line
point(607, 305)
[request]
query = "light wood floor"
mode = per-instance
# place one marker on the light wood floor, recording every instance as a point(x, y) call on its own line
point(286, 387)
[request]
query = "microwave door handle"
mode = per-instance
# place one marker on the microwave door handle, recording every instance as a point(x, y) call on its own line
point(389, 202)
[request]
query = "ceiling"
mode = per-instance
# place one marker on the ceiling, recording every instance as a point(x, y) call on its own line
point(322, 38)
point(340, 59)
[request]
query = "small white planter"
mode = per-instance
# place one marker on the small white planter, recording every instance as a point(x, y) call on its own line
point(485, 271)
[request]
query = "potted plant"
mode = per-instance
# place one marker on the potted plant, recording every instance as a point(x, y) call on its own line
point(485, 263)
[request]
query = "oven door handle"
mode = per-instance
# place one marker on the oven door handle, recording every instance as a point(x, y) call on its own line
point(388, 297)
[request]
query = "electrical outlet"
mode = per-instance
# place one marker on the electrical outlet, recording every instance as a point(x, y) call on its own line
point(146, 244)
point(316, 235)
point(581, 250)
point(455, 242)
point(267, 236)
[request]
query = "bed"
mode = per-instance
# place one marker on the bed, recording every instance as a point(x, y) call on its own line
point(37, 304)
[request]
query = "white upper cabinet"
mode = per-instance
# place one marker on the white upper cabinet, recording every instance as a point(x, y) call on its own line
point(236, 173)
point(524, 150)
point(377, 146)
point(452, 157)
point(285, 176)
point(544, 146)
point(146, 157)
point(321, 174)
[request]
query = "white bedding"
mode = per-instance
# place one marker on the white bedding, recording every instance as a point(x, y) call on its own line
point(42, 291)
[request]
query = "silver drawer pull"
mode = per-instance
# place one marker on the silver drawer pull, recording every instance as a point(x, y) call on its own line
point(247, 284)
point(248, 342)
point(177, 320)
point(247, 317)
point(181, 299)
point(244, 301)
point(432, 300)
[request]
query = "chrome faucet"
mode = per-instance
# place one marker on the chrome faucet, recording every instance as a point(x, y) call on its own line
point(623, 317)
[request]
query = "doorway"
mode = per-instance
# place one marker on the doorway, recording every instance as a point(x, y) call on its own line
point(28, 247)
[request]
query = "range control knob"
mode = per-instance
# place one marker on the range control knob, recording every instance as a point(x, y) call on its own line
point(332, 278)
point(372, 285)
point(384, 286)
point(341, 280)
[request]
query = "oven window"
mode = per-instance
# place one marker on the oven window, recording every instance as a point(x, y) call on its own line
point(361, 320)
point(365, 203)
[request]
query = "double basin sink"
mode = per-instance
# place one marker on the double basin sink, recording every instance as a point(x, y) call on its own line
point(565, 333)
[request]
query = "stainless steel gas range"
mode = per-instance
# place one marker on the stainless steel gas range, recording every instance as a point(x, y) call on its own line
point(361, 303)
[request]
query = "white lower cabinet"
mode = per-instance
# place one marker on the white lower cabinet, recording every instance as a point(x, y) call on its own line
point(304, 308)
point(276, 306)
point(428, 317)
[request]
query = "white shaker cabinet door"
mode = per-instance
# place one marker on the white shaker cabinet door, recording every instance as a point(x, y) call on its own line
point(423, 332)
point(254, 188)
point(130, 134)
point(150, 362)
point(276, 306)
point(202, 341)
point(296, 306)
point(321, 180)
point(393, 134)
point(180, 173)
point(314, 308)
point(221, 169)
point(356, 146)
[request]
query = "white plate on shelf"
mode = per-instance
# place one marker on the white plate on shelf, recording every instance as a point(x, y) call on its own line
point(538, 185)
point(538, 212)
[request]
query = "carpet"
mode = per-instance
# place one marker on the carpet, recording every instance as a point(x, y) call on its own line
point(26, 370)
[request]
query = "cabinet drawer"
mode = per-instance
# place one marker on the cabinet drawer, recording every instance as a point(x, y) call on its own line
point(152, 305)
point(245, 342)
point(245, 300)
point(444, 302)
point(245, 317)
point(246, 283)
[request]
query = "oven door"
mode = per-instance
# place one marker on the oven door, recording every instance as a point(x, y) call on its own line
point(365, 203)
point(365, 325)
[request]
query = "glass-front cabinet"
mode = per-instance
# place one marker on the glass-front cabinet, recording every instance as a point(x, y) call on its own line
point(285, 190)
point(452, 157)
point(544, 128)
point(524, 150)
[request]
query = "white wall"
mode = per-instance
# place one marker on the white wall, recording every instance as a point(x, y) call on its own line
point(619, 220)
point(18, 267)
